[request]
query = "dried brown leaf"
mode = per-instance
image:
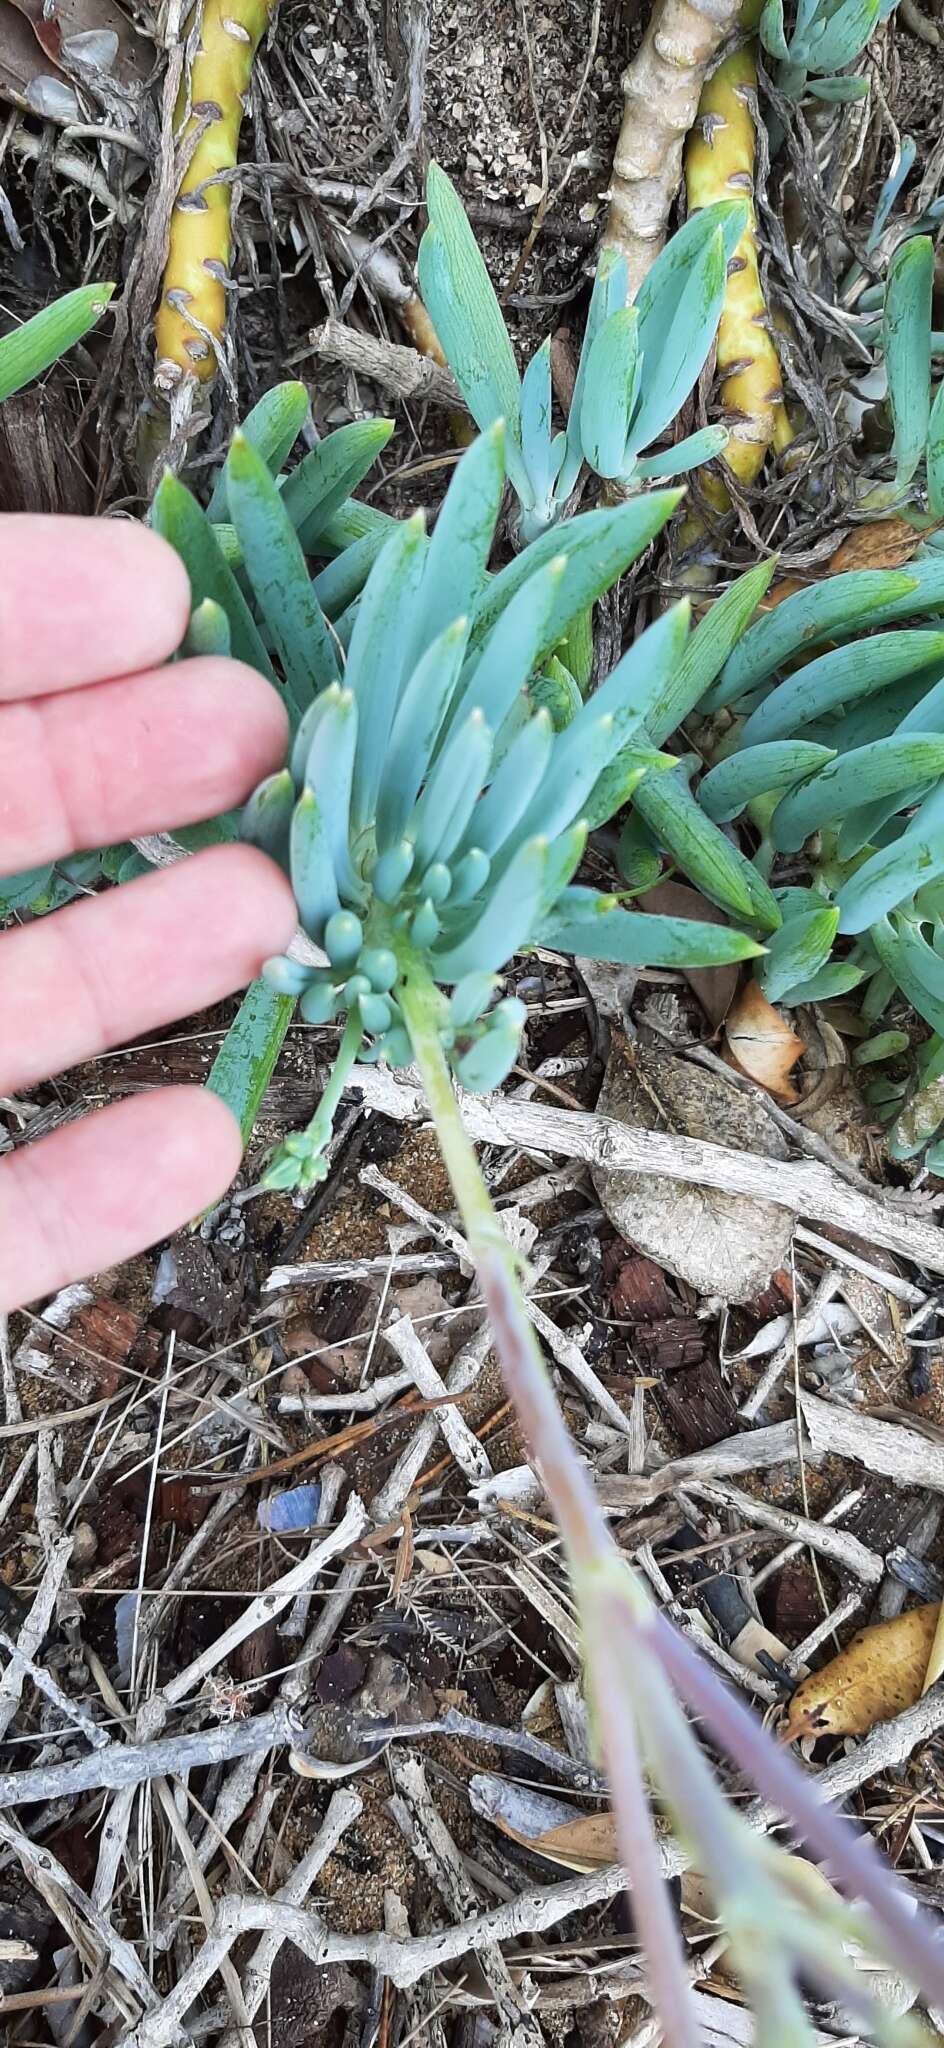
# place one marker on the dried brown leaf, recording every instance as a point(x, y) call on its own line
point(761, 1044)
point(721, 1244)
point(935, 1655)
point(882, 544)
point(879, 1674)
point(583, 1845)
point(715, 987)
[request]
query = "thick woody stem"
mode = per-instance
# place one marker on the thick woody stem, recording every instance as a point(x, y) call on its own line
point(719, 164)
point(191, 319)
point(661, 90)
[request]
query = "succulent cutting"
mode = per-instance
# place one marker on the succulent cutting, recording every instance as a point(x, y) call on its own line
point(430, 817)
point(826, 37)
point(638, 364)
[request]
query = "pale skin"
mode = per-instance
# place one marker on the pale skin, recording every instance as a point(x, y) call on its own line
point(99, 743)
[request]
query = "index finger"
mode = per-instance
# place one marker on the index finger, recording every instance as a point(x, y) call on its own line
point(84, 600)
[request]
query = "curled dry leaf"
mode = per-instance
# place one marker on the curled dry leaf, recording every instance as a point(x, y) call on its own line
point(714, 986)
point(548, 1826)
point(881, 544)
point(723, 1245)
point(880, 1673)
point(761, 1044)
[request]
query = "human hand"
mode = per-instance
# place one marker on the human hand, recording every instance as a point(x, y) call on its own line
point(97, 743)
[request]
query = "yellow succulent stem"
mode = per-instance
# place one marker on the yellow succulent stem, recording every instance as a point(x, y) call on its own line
point(191, 318)
point(719, 164)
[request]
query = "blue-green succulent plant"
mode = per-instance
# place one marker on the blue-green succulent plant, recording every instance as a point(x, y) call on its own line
point(431, 818)
point(825, 37)
point(638, 364)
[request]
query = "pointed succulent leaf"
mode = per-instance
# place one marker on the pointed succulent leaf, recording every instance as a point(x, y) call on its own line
point(874, 718)
point(542, 452)
point(594, 925)
point(597, 547)
point(578, 758)
point(453, 786)
point(375, 658)
point(312, 866)
point(244, 1065)
point(925, 574)
point(30, 348)
point(837, 978)
point(468, 319)
point(555, 692)
point(279, 577)
point(925, 960)
point(639, 682)
point(703, 853)
point(851, 600)
point(457, 558)
point(421, 713)
point(893, 874)
point(708, 648)
point(840, 677)
point(515, 783)
point(208, 631)
point(927, 715)
point(176, 515)
point(902, 165)
point(563, 860)
point(797, 951)
point(772, 32)
point(907, 337)
point(935, 456)
point(889, 767)
point(838, 91)
point(725, 790)
point(495, 677)
point(609, 393)
point(660, 296)
point(342, 581)
point(913, 963)
point(315, 492)
point(267, 817)
point(840, 37)
point(620, 778)
point(609, 293)
point(329, 773)
point(674, 353)
point(301, 744)
point(470, 872)
point(272, 428)
point(686, 455)
point(506, 922)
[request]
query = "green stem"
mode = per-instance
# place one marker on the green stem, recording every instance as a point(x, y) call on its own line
point(300, 1161)
point(583, 1526)
point(595, 1564)
point(322, 1122)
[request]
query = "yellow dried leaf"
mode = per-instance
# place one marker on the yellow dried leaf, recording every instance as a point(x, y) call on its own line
point(583, 1845)
point(761, 1043)
point(882, 544)
point(935, 1655)
point(877, 1675)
